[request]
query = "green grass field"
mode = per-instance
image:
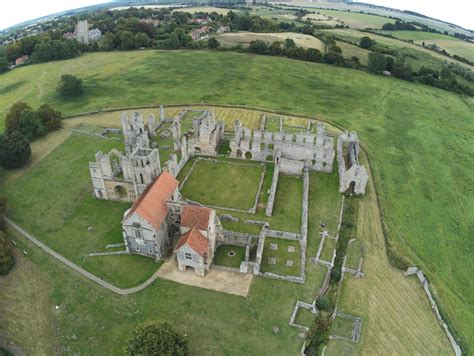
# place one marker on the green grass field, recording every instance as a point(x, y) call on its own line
point(281, 255)
point(450, 44)
point(244, 38)
point(54, 202)
point(231, 184)
point(416, 56)
point(223, 258)
point(419, 139)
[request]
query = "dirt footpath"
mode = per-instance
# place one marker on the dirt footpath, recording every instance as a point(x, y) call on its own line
point(218, 280)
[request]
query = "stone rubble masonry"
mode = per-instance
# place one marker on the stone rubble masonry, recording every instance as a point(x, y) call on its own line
point(273, 188)
point(349, 169)
point(298, 151)
point(434, 306)
point(207, 133)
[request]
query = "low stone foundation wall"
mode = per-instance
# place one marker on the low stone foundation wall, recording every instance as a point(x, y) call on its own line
point(295, 279)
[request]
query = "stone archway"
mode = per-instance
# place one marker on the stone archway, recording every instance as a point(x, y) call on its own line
point(120, 192)
point(239, 154)
point(248, 155)
point(269, 158)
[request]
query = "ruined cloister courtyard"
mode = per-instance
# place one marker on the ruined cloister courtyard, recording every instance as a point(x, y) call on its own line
point(270, 314)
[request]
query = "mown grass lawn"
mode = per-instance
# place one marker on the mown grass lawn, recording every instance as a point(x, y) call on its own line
point(54, 202)
point(419, 139)
point(304, 317)
point(227, 184)
point(230, 256)
point(281, 255)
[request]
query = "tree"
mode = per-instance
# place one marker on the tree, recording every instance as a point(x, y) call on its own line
point(313, 55)
point(376, 63)
point(332, 57)
point(127, 40)
point(3, 65)
point(69, 85)
point(43, 52)
point(12, 120)
point(157, 339)
point(289, 44)
point(258, 46)
point(15, 150)
point(141, 39)
point(107, 42)
point(50, 118)
point(6, 259)
point(213, 43)
point(30, 125)
point(366, 42)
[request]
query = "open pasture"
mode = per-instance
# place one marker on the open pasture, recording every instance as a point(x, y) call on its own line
point(244, 39)
point(398, 123)
point(224, 184)
point(450, 44)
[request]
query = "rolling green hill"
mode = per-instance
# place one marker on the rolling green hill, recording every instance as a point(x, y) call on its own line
point(419, 139)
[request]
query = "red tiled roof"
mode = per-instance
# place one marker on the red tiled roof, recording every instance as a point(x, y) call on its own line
point(195, 240)
point(195, 216)
point(151, 205)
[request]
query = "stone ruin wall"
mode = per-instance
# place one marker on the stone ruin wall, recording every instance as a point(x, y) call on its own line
point(300, 150)
point(348, 161)
point(207, 133)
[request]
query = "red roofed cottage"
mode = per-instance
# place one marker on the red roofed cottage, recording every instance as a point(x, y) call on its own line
point(145, 224)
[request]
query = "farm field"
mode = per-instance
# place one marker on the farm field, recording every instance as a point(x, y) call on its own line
point(450, 44)
point(244, 38)
point(351, 19)
point(422, 55)
point(399, 123)
point(377, 12)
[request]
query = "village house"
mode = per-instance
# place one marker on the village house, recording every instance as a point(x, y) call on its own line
point(199, 33)
point(197, 244)
point(21, 60)
point(145, 225)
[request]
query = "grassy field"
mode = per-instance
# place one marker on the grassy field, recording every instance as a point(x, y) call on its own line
point(418, 55)
point(450, 44)
point(381, 11)
point(253, 318)
point(281, 255)
point(222, 257)
point(413, 328)
point(244, 38)
point(349, 50)
point(57, 208)
point(419, 139)
point(232, 184)
point(353, 19)
point(208, 9)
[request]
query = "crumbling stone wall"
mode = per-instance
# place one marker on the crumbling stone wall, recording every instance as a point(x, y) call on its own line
point(298, 151)
point(136, 131)
point(350, 172)
point(207, 133)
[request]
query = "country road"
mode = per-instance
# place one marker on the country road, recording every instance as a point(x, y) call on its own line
point(78, 269)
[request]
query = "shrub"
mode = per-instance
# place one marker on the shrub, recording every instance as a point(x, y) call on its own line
point(157, 339)
point(69, 85)
point(6, 259)
point(366, 42)
point(50, 118)
point(30, 125)
point(15, 150)
point(324, 303)
point(12, 120)
point(376, 63)
point(318, 335)
point(213, 43)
